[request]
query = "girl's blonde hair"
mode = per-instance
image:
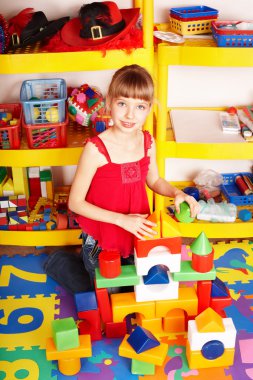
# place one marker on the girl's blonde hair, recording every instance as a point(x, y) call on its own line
point(131, 82)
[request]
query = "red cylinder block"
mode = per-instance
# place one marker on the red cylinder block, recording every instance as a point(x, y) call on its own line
point(204, 263)
point(109, 264)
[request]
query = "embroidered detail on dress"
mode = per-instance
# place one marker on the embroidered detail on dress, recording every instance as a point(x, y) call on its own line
point(130, 172)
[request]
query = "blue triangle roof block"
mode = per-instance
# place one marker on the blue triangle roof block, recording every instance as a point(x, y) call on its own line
point(219, 289)
point(142, 340)
point(157, 275)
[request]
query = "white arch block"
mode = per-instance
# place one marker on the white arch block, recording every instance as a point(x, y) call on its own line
point(155, 292)
point(198, 339)
point(157, 256)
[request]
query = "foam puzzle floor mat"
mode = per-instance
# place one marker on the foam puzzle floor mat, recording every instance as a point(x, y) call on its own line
point(29, 301)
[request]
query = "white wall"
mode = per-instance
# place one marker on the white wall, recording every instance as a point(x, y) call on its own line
point(191, 86)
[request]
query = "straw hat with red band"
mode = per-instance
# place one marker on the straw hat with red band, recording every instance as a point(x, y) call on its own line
point(99, 23)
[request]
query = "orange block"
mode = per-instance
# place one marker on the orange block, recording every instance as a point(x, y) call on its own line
point(196, 360)
point(155, 218)
point(209, 321)
point(83, 351)
point(187, 300)
point(155, 355)
point(175, 321)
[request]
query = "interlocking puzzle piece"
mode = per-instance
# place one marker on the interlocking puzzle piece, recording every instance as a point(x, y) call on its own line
point(155, 355)
point(65, 334)
point(142, 340)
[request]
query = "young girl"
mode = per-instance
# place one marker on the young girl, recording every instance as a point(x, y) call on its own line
point(109, 189)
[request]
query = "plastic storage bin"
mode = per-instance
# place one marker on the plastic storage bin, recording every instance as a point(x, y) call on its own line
point(226, 37)
point(10, 135)
point(44, 101)
point(232, 192)
point(52, 135)
point(194, 12)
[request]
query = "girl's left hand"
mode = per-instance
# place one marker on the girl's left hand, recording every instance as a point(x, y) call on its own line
point(182, 197)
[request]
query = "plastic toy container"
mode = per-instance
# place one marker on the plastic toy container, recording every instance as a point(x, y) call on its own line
point(196, 12)
point(43, 101)
point(228, 37)
point(232, 192)
point(10, 135)
point(52, 135)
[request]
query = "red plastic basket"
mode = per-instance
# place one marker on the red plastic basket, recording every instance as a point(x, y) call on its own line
point(10, 135)
point(46, 135)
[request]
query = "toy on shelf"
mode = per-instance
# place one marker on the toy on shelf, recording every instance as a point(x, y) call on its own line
point(233, 33)
point(84, 103)
point(208, 182)
point(217, 212)
point(10, 125)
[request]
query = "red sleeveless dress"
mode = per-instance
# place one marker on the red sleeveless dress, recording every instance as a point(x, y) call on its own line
point(119, 188)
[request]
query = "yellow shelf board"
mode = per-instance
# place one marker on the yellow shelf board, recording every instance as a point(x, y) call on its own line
point(204, 53)
point(43, 62)
point(40, 238)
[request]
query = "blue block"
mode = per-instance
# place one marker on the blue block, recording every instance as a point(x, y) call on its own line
point(157, 275)
point(219, 289)
point(86, 301)
point(142, 340)
point(213, 349)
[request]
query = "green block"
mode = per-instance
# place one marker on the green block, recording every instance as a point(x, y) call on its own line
point(127, 277)
point(201, 245)
point(45, 175)
point(141, 368)
point(3, 173)
point(188, 274)
point(65, 334)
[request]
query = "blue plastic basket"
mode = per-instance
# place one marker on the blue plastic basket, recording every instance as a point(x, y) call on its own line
point(231, 38)
point(232, 192)
point(44, 100)
point(194, 12)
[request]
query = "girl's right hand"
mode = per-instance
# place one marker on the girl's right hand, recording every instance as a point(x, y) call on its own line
point(138, 225)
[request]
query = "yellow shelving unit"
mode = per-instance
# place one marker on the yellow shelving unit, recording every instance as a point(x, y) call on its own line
point(43, 62)
point(198, 53)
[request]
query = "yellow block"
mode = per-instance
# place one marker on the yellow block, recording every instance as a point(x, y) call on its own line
point(196, 360)
point(209, 321)
point(187, 300)
point(153, 324)
point(50, 190)
point(69, 367)
point(83, 351)
point(175, 321)
point(125, 303)
point(20, 181)
point(155, 355)
point(170, 228)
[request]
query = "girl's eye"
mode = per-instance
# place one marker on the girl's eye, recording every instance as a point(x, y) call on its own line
point(141, 107)
point(121, 104)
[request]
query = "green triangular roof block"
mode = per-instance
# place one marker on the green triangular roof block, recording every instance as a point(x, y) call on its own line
point(201, 245)
point(91, 102)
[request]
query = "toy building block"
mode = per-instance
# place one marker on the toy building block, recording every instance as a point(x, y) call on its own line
point(202, 254)
point(143, 247)
point(104, 304)
point(34, 181)
point(152, 324)
point(204, 294)
point(65, 334)
point(219, 303)
point(155, 355)
point(141, 368)
point(156, 292)
point(158, 255)
point(156, 275)
point(209, 321)
point(198, 339)
point(86, 301)
point(155, 218)
point(187, 301)
point(184, 215)
point(20, 181)
point(170, 227)
point(8, 188)
point(142, 340)
point(61, 222)
point(3, 178)
point(196, 360)
point(219, 289)
point(115, 329)
point(127, 277)
point(69, 362)
point(175, 321)
point(109, 264)
point(125, 303)
point(187, 273)
point(90, 324)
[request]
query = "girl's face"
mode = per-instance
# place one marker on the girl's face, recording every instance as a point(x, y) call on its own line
point(129, 114)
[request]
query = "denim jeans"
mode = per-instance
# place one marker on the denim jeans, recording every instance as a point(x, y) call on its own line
point(89, 253)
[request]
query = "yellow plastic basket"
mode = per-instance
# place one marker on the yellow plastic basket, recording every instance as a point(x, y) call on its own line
point(191, 27)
